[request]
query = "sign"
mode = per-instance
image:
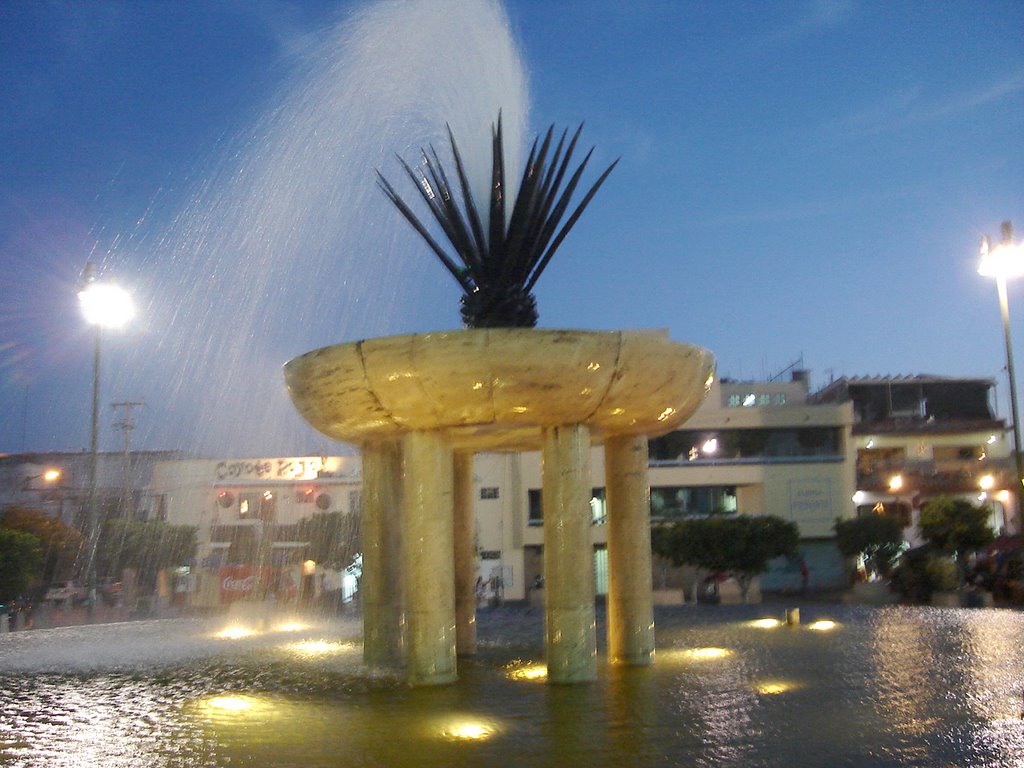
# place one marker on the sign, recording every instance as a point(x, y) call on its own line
point(810, 501)
point(294, 468)
point(238, 582)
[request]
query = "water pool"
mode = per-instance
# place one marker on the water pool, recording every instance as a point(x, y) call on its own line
point(878, 687)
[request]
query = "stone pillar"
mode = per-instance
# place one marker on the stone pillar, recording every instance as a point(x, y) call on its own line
point(465, 556)
point(428, 549)
point(381, 584)
point(568, 556)
point(630, 603)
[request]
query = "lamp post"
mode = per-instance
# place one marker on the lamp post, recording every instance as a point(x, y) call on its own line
point(104, 305)
point(1002, 261)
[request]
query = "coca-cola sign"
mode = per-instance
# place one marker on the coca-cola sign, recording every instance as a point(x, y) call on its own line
point(237, 582)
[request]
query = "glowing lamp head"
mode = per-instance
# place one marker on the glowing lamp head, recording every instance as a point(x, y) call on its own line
point(51, 475)
point(106, 304)
point(1003, 260)
point(895, 482)
point(986, 482)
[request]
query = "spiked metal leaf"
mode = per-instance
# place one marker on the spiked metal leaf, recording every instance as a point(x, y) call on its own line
point(500, 264)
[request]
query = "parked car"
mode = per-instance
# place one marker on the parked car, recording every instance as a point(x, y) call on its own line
point(64, 592)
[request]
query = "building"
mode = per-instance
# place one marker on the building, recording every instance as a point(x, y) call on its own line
point(759, 448)
point(918, 437)
point(58, 484)
point(247, 513)
point(859, 445)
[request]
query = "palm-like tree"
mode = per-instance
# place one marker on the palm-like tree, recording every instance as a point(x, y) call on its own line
point(497, 267)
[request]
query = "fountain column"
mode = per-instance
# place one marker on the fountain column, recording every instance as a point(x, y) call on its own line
point(568, 556)
point(428, 549)
point(630, 602)
point(380, 585)
point(465, 556)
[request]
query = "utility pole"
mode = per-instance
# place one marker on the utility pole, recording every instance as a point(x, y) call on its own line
point(126, 424)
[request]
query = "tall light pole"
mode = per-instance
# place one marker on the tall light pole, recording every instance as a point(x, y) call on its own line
point(104, 305)
point(1002, 261)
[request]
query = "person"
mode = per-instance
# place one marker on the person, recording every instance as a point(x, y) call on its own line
point(805, 574)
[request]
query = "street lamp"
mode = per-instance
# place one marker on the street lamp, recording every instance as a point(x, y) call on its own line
point(1002, 261)
point(104, 305)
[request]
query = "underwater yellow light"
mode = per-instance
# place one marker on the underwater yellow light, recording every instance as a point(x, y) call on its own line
point(468, 730)
point(230, 703)
point(822, 626)
point(765, 623)
point(291, 626)
point(317, 647)
point(708, 653)
point(235, 633)
point(528, 672)
point(772, 688)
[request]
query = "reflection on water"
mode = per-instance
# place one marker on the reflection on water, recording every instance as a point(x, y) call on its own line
point(883, 687)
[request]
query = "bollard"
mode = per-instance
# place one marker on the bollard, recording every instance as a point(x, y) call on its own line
point(792, 617)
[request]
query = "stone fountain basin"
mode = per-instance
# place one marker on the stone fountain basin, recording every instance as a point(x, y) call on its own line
point(498, 388)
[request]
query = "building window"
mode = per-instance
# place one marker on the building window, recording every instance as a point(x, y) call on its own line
point(958, 452)
point(898, 509)
point(598, 513)
point(248, 505)
point(488, 493)
point(677, 502)
point(739, 444)
point(257, 506)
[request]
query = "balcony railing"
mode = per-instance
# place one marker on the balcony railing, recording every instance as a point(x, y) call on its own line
point(935, 477)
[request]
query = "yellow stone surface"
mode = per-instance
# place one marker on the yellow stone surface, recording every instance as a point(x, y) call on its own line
point(497, 388)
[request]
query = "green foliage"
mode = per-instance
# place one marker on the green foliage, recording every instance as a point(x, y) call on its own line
point(922, 571)
point(876, 538)
point(500, 264)
point(21, 561)
point(146, 547)
point(739, 546)
point(955, 525)
point(60, 544)
point(333, 538)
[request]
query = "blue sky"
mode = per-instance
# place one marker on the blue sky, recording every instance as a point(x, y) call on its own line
point(797, 179)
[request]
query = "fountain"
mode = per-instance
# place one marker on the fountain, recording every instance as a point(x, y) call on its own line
point(419, 407)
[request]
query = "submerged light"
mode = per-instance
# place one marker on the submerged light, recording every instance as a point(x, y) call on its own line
point(708, 653)
point(468, 731)
point(291, 626)
point(317, 647)
point(822, 626)
point(765, 623)
point(527, 672)
point(235, 633)
point(230, 703)
point(772, 688)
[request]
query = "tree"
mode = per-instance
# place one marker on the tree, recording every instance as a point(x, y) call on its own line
point(21, 559)
point(876, 538)
point(61, 545)
point(146, 547)
point(955, 526)
point(738, 546)
point(333, 538)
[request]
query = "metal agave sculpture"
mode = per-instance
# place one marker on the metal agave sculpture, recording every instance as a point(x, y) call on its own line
point(498, 268)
